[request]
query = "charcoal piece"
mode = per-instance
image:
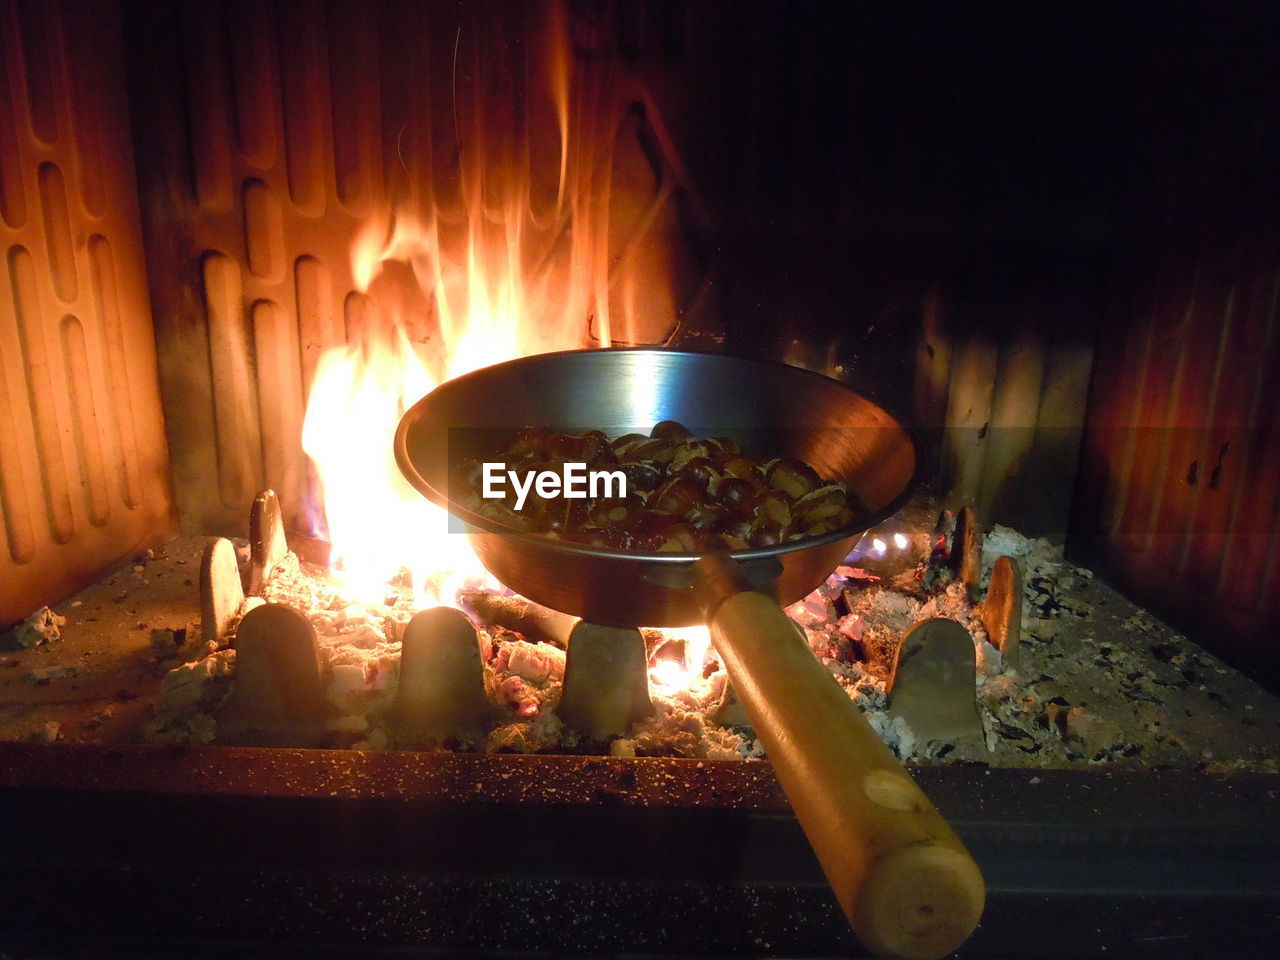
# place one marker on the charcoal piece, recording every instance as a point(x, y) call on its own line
point(606, 681)
point(966, 551)
point(441, 694)
point(1001, 612)
point(277, 699)
point(943, 531)
point(221, 594)
point(933, 681)
point(1044, 600)
point(533, 621)
point(1133, 693)
point(267, 546)
point(1056, 711)
point(1009, 732)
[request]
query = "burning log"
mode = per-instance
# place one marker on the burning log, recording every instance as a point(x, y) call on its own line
point(221, 594)
point(1001, 612)
point(534, 621)
point(277, 699)
point(441, 693)
point(933, 681)
point(606, 681)
point(267, 546)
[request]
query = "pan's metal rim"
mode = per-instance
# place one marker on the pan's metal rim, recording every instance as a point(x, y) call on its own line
point(476, 524)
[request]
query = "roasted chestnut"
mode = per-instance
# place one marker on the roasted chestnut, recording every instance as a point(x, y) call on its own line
point(683, 494)
point(700, 470)
point(678, 496)
point(720, 449)
point(564, 514)
point(705, 516)
point(772, 506)
point(625, 442)
point(821, 505)
point(734, 523)
point(659, 451)
point(766, 534)
point(742, 467)
point(642, 475)
point(733, 491)
point(646, 524)
point(670, 430)
point(680, 538)
point(611, 512)
point(793, 477)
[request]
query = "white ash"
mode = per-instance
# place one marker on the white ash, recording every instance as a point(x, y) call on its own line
point(166, 642)
point(49, 732)
point(1143, 696)
point(189, 695)
point(42, 676)
point(43, 626)
point(1130, 692)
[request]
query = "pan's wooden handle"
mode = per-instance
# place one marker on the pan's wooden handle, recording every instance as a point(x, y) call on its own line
point(903, 878)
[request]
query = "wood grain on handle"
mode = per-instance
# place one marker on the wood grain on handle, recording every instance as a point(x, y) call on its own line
point(903, 878)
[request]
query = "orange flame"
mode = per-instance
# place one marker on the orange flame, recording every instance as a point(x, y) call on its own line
point(670, 676)
point(445, 289)
point(509, 256)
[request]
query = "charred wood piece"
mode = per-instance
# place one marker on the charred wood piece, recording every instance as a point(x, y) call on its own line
point(534, 622)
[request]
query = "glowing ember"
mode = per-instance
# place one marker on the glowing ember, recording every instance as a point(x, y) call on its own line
point(668, 674)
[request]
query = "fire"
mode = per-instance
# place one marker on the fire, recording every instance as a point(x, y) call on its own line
point(505, 255)
point(670, 675)
point(505, 267)
point(375, 521)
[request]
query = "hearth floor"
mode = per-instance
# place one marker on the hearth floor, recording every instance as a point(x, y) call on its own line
point(1144, 696)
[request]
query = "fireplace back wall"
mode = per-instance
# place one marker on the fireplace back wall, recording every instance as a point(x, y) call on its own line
point(950, 210)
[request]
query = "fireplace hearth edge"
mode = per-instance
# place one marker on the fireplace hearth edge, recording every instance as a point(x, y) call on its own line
point(145, 850)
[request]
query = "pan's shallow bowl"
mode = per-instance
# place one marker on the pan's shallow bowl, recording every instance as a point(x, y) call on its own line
point(770, 409)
